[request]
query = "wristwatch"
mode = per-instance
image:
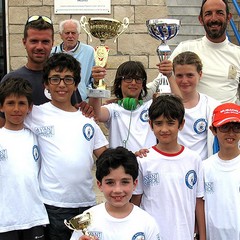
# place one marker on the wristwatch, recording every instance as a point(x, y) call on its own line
point(196, 236)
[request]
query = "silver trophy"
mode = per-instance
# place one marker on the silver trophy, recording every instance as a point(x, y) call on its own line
point(163, 30)
point(103, 29)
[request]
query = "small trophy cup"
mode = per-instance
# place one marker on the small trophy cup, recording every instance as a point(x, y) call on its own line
point(79, 222)
point(103, 29)
point(163, 29)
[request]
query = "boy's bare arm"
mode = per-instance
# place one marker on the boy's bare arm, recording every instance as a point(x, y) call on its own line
point(99, 151)
point(101, 113)
point(200, 218)
point(136, 199)
point(174, 87)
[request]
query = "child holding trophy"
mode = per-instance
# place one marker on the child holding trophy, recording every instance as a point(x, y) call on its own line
point(196, 135)
point(127, 119)
point(117, 218)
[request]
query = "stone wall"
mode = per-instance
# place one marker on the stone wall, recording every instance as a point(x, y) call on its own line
point(134, 44)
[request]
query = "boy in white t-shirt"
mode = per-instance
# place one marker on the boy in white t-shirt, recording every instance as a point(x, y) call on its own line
point(117, 218)
point(67, 141)
point(22, 212)
point(170, 183)
point(222, 176)
point(127, 119)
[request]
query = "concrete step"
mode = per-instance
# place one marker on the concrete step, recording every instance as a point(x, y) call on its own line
point(183, 2)
point(183, 10)
point(191, 30)
point(186, 19)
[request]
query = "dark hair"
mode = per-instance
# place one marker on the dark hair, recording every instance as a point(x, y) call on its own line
point(39, 24)
point(112, 158)
point(130, 69)
point(169, 106)
point(188, 58)
point(16, 86)
point(204, 1)
point(59, 62)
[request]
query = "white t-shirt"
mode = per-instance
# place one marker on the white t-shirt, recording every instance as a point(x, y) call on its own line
point(130, 127)
point(221, 68)
point(21, 205)
point(222, 198)
point(67, 141)
point(196, 134)
point(137, 225)
point(170, 184)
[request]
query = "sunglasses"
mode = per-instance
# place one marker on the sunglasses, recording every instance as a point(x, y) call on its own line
point(36, 17)
point(226, 127)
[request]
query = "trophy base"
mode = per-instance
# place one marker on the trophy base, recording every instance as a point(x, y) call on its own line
point(164, 85)
point(99, 93)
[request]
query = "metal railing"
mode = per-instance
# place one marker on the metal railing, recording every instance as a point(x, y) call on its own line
point(232, 23)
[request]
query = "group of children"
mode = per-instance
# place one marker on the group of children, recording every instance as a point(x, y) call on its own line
point(172, 184)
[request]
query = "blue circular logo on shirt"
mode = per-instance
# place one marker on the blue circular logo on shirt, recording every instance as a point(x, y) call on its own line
point(200, 126)
point(191, 179)
point(88, 131)
point(35, 152)
point(144, 116)
point(138, 236)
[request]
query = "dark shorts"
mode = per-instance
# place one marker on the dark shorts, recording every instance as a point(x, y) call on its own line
point(57, 230)
point(35, 233)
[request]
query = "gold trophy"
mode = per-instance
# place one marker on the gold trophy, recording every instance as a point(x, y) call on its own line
point(79, 222)
point(103, 29)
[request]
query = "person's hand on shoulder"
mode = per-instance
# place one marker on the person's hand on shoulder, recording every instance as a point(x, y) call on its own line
point(86, 109)
point(142, 153)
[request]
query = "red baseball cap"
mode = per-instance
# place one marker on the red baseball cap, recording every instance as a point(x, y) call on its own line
point(225, 113)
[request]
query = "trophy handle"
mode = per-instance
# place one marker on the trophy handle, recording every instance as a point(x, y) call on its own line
point(68, 225)
point(125, 24)
point(84, 23)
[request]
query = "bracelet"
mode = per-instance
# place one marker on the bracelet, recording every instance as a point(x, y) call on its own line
point(196, 236)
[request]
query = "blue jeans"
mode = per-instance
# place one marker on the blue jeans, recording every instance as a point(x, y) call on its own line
point(57, 230)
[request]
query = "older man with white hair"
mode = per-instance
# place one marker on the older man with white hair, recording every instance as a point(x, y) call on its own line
point(69, 31)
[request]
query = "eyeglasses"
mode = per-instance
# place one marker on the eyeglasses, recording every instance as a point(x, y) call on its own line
point(226, 127)
point(138, 80)
point(37, 17)
point(56, 80)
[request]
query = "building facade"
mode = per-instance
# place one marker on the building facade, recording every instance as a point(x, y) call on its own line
point(134, 44)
